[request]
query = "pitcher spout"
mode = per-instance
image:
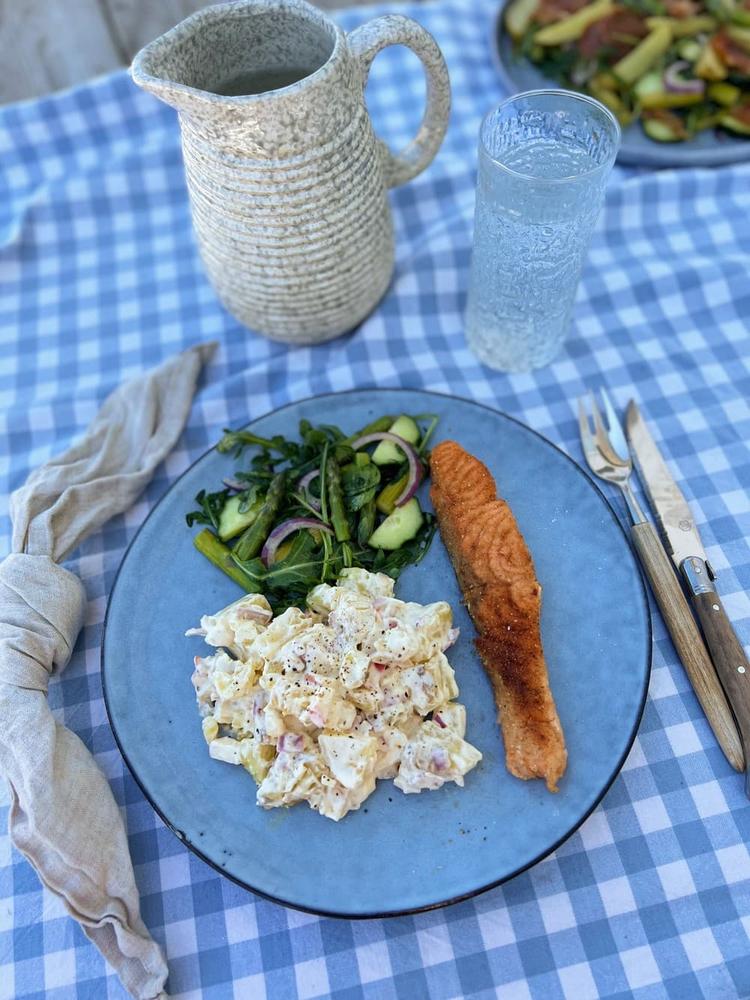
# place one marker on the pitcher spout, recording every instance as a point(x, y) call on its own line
point(230, 53)
point(175, 67)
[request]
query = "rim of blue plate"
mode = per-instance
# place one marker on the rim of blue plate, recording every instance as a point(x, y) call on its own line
point(383, 914)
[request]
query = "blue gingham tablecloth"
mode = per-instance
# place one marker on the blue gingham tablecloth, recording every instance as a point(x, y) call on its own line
point(99, 279)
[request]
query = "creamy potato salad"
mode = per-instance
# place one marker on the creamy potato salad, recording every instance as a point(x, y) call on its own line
point(319, 704)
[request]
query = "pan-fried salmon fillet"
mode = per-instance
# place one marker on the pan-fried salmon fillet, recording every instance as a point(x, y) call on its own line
point(503, 595)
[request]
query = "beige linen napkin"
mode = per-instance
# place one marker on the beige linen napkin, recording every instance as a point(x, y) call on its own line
point(63, 816)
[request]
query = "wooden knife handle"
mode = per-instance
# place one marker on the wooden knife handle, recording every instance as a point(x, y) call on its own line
point(729, 657)
point(688, 641)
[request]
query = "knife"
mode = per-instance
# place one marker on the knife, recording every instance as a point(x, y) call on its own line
point(689, 557)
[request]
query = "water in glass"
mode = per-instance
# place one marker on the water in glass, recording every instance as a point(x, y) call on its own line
point(540, 189)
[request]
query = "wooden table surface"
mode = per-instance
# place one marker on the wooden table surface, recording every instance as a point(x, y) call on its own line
point(48, 45)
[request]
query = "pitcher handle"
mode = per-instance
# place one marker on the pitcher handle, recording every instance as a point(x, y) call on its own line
point(395, 29)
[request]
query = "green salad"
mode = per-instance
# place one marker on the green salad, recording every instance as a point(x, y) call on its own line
point(298, 512)
point(678, 66)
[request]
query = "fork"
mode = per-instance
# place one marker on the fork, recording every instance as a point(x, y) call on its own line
point(608, 456)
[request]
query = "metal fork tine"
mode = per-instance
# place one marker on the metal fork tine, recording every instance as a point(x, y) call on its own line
point(583, 420)
point(602, 438)
point(601, 458)
point(600, 431)
point(616, 436)
point(587, 438)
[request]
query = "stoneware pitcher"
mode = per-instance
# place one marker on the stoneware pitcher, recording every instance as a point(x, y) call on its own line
point(287, 180)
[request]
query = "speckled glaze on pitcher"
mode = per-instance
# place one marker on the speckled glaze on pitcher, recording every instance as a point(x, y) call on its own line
point(288, 187)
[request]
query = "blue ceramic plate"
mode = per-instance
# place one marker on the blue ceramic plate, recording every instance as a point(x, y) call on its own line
point(709, 149)
point(398, 853)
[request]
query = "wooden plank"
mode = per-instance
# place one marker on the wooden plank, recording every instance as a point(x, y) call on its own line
point(135, 22)
point(48, 45)
point(51, 44)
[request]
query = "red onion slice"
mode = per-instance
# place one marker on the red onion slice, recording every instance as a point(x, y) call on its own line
point(281, 531)
point(304, 483)
point(290, 743)
point(234, 484)
point(677, 84)
point(416, 469)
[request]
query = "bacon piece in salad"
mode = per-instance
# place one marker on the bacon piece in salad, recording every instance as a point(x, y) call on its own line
point(616, 35)
point(549, 11)
point(672, 121)
point(731, 54)
point(682, 8)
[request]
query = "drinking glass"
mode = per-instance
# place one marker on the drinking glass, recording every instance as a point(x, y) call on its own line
point(544, 159)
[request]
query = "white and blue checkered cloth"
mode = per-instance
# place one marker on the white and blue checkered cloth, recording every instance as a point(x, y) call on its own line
point(99, 279)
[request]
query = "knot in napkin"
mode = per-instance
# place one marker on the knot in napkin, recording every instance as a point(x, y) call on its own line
point(42, 612)
point(63, 816)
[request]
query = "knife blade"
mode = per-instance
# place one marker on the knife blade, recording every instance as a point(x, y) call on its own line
point(683, 541)
point(667, 500)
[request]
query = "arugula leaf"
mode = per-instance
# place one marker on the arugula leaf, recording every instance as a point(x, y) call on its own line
point(343, 453)
point(300, 567)
point(315, 438)
point(558, 63)
point(359, 484)
point(646, 7)
point(237, 441)
point(410, 554)
point(722, 10)
point(335, 434)
point(254, 569)
point(248, 497)
point(211, 506)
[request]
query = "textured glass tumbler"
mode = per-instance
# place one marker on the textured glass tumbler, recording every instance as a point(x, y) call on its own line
point(544, 160)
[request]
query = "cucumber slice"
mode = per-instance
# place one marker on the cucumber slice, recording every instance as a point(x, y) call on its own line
point(725, 94)
point(387, 452)
point(737, 125)
point(232, 522)
point(399, 527)
point(651, 83)
point(689, 49)
point(660, 131)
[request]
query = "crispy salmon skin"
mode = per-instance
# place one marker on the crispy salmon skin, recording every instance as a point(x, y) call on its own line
point(503, 595)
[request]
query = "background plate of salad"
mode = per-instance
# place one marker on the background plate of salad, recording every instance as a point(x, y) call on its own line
point(675, 72)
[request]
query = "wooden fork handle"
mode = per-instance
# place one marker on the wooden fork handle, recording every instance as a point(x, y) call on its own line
point(688, 640)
